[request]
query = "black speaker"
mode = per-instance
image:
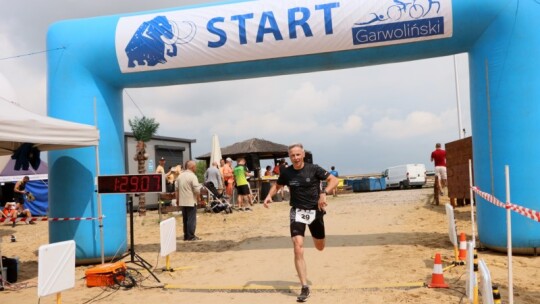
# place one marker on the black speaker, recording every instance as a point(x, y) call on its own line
point(11, 265)
point(254, 164)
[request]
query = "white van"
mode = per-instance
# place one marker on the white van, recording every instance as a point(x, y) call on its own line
point(405, 176)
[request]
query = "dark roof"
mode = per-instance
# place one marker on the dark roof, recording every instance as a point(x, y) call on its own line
point(264, 149)
point(158, 137)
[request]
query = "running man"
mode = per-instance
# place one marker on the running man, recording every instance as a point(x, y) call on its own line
point(308, 206)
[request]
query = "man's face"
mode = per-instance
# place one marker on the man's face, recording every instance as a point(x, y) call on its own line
point(296, 155)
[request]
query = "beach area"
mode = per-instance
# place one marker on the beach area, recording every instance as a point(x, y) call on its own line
point(380, 248)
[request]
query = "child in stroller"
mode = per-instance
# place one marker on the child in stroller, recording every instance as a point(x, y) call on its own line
point(218, 203)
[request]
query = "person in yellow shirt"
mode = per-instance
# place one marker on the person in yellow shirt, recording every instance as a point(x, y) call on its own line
point(242, 185)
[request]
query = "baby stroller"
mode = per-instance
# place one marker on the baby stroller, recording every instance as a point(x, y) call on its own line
point(218, 203)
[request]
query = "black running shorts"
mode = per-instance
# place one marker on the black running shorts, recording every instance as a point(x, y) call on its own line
point(298, 217)
point(243, 190)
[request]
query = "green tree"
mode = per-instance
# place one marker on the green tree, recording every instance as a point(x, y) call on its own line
point(143, 130)
point(200, 169)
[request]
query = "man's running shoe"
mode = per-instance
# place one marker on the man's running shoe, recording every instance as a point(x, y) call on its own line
point(304, 294)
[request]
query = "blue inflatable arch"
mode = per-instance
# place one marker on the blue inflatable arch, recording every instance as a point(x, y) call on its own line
point(246, 39)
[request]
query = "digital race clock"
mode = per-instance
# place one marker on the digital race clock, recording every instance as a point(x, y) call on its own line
point(131, 183)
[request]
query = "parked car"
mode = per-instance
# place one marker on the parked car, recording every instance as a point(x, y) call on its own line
point(405, 176)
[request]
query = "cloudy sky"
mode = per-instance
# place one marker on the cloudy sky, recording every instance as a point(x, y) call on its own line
point(361, 120)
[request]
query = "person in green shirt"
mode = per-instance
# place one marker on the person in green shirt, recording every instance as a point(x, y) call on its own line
point(242, 186)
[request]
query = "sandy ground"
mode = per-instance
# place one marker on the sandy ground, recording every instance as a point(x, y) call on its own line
point(380, 248)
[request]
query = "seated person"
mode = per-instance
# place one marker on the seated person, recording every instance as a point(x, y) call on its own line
point(10, 212)
point(24, 213)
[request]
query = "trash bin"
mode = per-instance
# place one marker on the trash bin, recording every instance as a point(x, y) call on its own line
point(369, 184)
point(265, 188)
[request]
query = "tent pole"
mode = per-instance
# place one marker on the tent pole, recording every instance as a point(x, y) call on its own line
point(100, 217)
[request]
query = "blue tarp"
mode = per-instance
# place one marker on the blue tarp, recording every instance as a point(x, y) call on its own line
point(369, 184)
point(40, 190)
point(38, 184)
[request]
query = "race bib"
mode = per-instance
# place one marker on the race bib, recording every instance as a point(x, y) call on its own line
point(305, 216)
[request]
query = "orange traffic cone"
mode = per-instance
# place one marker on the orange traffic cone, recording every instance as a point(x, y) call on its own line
point(462, 247)
point(437, 278)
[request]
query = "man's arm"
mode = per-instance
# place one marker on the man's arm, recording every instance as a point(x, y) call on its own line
point(17, 185)
point(331, 183)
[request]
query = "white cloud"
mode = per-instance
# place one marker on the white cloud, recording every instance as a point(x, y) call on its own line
point(308, 100)
point(415, 124)
point(353, 124)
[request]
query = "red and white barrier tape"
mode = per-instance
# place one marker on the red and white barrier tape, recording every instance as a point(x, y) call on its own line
point(50, 219)
point(532, 214)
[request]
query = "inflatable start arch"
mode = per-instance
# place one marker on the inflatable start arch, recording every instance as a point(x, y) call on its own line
point(246, 39)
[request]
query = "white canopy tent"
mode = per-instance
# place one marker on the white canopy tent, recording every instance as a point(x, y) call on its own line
point(19, 126)
point(46, 133)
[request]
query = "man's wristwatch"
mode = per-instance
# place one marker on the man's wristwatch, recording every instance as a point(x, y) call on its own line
point(324, 192)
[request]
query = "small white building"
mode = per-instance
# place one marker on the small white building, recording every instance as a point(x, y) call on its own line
point(174, 150)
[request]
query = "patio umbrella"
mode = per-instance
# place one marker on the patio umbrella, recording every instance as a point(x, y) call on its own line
point(215, 155)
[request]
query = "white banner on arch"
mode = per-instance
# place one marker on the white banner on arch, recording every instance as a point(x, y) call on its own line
point(256, 30)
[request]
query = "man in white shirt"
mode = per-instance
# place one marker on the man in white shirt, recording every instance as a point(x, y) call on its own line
point(187, 191)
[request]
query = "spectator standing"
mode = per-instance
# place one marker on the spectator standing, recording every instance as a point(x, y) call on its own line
point(228, 177)
point(439, 158)
point(161, 167)
point(276, 167)
point(221, 165)
point(20, 190)
point(213, 175)
point(336, 174)
point(170, 177)
point(282, 165)
point(308, 206)
point(242, 185)
point(188, 190)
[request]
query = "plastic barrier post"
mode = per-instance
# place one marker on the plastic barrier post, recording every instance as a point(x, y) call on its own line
point(509, 236)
